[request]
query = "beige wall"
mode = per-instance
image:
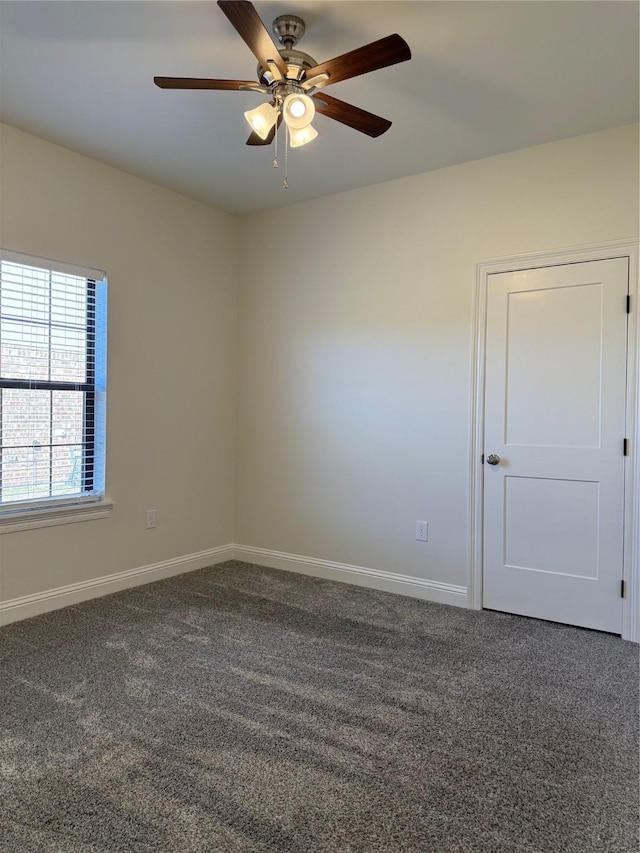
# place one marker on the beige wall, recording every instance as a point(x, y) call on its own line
point(352, 416)
point(171, 265)
point(354, 365)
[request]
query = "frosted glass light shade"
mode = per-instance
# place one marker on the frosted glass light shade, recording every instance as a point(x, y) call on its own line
point(298, 110)
point(301, 135)
point(262, 119)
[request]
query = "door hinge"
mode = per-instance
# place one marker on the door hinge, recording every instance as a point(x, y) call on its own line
point(623, 589)
point(628, 303)
point(625, 446)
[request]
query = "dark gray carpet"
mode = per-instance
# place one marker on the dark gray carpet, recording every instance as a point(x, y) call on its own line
point(246, 709)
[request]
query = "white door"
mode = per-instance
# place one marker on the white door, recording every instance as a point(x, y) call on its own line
point(555, 389)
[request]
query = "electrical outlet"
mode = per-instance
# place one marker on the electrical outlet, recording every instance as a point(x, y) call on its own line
point(422, 531)
point(151, 519)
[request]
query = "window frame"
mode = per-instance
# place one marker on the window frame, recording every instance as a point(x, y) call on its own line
point(90, 502)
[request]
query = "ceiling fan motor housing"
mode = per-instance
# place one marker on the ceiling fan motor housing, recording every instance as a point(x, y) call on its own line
point(289, 29)
point(297, 63)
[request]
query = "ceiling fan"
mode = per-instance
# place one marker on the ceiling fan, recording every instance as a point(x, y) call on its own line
point(293, 79)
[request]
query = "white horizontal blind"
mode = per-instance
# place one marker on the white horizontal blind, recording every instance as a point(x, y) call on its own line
point(52, 383)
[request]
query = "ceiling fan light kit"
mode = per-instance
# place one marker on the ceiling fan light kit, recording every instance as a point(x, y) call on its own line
point(262, 119)
point(298, 110)
point(293, 79)
point(300, 136)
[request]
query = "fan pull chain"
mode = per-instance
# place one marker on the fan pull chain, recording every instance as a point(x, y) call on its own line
point(275, 150)
point(285, 183)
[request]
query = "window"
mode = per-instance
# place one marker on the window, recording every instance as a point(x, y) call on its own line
point(52, 384)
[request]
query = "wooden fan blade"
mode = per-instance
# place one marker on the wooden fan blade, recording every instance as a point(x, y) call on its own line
point(247, 22)
point(204, 83)
point(354, 117)
point(254, 139)
point(378, 54)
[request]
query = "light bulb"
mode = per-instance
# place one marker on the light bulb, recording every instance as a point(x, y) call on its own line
point(298, 110)
point(262, 119)
point(301, 135)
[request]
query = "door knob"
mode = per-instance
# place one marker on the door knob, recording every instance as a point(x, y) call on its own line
point(493, 459)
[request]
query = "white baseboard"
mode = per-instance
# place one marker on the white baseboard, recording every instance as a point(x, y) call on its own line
point(52, 599)
point(442, 593)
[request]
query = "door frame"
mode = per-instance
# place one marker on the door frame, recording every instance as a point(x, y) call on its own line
point(555, 257)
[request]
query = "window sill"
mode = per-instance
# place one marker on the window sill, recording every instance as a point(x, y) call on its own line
point(14, 521)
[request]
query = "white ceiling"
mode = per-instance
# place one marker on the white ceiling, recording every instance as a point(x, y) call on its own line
point(485, 78)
